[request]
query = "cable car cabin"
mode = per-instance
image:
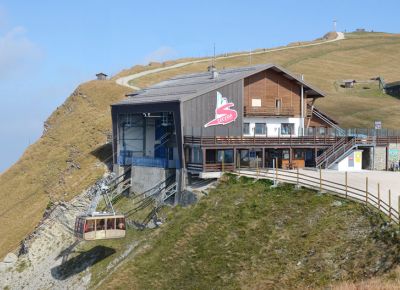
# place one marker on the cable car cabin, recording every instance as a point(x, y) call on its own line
point(100, 227)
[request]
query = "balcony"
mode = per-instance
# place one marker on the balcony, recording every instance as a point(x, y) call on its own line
point(268, 112)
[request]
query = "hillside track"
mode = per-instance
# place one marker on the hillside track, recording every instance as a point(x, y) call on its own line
point(124, 81)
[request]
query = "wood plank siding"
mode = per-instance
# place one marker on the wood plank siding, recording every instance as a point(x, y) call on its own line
point(270, 86)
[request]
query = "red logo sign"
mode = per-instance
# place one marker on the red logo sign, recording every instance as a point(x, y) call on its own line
point(223, 112)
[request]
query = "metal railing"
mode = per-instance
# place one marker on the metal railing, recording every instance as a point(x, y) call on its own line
point(150, 162)
point(362, 195)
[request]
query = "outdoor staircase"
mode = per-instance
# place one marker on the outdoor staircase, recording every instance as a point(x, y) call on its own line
point(336, 152)
point(312, 110)
point(162, 140)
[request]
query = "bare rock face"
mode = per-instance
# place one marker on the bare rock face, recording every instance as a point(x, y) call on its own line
point(11, 258)
point(47, 248)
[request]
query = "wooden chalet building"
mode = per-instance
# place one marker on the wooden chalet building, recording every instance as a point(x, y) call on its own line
point(209, 122)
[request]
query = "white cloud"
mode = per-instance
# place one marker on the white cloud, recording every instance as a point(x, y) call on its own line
point(18, 54)
point(161, 54)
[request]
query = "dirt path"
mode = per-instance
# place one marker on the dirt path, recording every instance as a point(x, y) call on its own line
point(124, 81)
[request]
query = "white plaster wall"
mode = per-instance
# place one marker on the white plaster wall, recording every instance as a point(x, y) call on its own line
point(343, 165)
point(273, 125)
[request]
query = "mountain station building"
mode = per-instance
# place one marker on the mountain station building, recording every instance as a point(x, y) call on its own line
point(250, 117)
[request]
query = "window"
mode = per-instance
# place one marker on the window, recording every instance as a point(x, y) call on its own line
point(287, 128)
point(89, 226)
point(110, 224)
point(256, 102)
point(299, 154)
point(225, 155)
point(100, 225)
point(197, 155)
point(246, 128)
point(120, 223)
point(322, 131)
point(278, 103)
point(260, 129)
point(285, 154)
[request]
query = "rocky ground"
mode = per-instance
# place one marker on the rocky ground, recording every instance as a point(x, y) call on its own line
point(39, 264)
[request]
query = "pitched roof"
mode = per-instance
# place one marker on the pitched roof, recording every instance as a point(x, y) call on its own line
point(185, 87)
point(393, 84)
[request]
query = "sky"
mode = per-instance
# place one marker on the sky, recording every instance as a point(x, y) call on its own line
point(47, 48)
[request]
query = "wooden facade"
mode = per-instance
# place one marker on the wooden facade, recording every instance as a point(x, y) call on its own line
point(278, 95)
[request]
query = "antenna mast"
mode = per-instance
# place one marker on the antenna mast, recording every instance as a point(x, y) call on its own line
point(213, 59)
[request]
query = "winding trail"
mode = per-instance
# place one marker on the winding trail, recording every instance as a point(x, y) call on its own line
point(124, 81)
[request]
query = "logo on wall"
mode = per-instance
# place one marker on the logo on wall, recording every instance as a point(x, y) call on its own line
point(223, 112)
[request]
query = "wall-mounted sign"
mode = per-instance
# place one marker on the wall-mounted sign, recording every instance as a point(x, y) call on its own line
point(223, 112)
point(357, 157)
point(378, 125)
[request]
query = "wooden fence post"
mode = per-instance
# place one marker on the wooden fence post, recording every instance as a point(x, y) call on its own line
point(390, 204)
point(320, 179)
point(398, 210)
point(366, 190)
point(345, 178)
point(276, 170)
point(379, 196)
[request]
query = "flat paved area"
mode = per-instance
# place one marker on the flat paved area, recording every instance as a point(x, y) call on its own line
point(387, 180)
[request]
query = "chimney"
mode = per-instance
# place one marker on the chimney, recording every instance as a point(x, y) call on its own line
point(213, 70)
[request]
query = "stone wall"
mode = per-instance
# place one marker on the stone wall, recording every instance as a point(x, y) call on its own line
point(380, 158)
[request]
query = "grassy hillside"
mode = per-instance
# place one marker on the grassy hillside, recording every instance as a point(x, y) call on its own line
point(60, 164)
point(360, 56)
point(247, 235)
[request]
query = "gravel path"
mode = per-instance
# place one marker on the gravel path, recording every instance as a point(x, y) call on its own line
point(124, 81)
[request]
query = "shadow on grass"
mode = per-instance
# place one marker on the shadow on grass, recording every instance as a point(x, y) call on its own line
point(81, 262)
point(104, 154)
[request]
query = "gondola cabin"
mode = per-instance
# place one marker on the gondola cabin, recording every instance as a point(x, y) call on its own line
point(100, 227)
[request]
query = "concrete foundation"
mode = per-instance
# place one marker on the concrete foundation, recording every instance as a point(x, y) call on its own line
point(144, 178)
point(207, 175)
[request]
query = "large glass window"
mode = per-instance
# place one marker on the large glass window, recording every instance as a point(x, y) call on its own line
point(197, 155)
point(246, 128)
point(260, 129)
point(287, 129)
point(225, 155)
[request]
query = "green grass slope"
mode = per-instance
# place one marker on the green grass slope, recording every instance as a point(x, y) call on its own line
point(246, 235)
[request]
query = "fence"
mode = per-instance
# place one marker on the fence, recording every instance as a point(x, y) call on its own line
point(341, 189)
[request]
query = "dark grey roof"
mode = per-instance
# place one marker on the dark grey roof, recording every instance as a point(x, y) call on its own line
point(393, 84)
point(185, 87)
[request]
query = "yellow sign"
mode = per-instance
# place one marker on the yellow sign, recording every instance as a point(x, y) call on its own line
point(357, 157)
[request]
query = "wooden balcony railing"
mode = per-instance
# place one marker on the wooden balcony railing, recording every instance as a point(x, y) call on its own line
point(266, 112)
point(290, 141)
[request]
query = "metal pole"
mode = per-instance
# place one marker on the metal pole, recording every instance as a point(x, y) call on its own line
point(345, 178)
point(298, 178)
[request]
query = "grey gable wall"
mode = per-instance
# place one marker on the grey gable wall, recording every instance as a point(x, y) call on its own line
point(200, 110)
